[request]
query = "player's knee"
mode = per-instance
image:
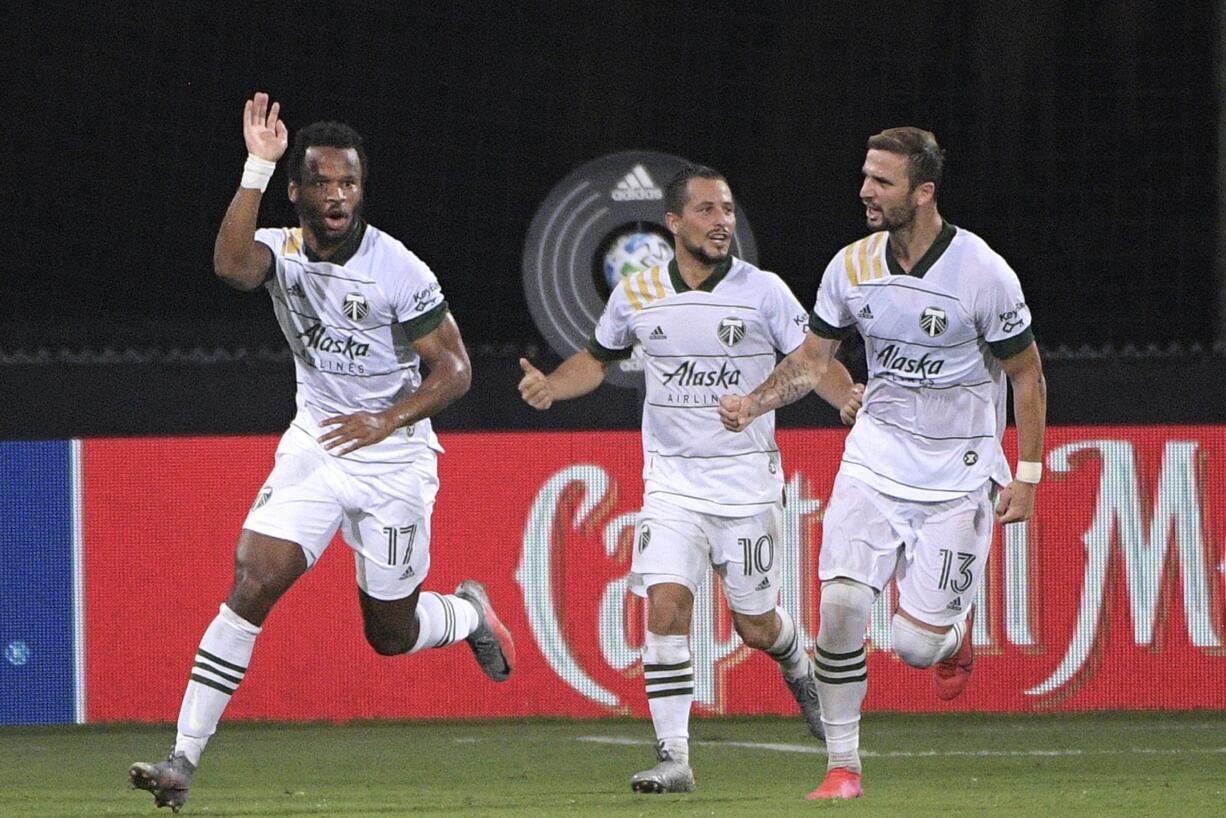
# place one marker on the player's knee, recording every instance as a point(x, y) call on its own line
point(756, 631)
point(845, 609)
point(918, 647)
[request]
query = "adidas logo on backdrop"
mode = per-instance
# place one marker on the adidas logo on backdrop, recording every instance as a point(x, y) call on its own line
point(636, 186)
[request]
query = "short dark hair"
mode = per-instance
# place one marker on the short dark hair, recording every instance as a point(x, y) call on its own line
point(676, 192)
point(925, 159)
point(327, 134)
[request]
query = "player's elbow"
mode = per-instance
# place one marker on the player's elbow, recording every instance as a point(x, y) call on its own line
point(461, 376)
point(235, 275)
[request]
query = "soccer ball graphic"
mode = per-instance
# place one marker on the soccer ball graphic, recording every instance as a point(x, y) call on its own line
point(633, 252)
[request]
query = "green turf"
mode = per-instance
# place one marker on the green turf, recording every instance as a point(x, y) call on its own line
point(1105, 764)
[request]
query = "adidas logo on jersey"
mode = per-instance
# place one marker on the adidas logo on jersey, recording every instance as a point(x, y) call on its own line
point(955, 604)
point(408, 572)
point(296, 289)
point(865, 313)
point(636, 186)
point(657, 334)
point(764, 584)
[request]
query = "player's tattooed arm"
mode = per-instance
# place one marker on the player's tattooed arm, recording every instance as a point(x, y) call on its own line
point(795, 376)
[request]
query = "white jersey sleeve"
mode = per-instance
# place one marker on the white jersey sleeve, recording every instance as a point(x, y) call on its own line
point(831, 318)
point(1000, 310)
point(786, 319)
point(415, 295)
point(614, 337)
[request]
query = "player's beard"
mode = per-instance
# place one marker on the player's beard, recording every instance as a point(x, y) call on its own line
point(315, 220)
point(897, 218)
point(702, 256)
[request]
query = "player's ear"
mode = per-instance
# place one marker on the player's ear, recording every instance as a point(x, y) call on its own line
point(925, 193)
point(292, 191)
point(670, 221)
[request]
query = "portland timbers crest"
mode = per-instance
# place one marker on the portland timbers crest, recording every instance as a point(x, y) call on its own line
point(355, 307)
point(731, 331)
point(933, 321)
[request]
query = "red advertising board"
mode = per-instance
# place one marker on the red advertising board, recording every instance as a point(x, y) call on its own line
point(1113, 597)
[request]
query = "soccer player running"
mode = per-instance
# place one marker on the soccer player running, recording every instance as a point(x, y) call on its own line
point(944, 322)
point(361, 314)
point(707, 324)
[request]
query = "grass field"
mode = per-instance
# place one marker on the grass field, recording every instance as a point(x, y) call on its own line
point(1110, 765)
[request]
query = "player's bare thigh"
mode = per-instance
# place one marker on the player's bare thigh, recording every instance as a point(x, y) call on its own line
point(264, 569)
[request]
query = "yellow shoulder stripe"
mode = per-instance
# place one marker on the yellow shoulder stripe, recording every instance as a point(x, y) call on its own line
point(642, 290)
point(293, 241)
point(861, 260)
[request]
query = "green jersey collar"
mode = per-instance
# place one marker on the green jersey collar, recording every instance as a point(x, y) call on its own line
point(939, 245)
point(346, 251)
point(708, 284)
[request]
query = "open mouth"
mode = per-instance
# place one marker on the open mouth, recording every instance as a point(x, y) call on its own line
point(336, 220)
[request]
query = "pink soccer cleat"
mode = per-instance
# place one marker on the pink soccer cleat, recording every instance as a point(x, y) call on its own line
point(952, 675)
point(841, 784)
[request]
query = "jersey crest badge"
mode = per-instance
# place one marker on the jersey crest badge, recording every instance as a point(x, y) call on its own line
point(933, 321)
point(355, 307)
point(731, 331)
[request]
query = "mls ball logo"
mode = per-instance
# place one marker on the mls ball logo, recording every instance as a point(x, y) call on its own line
point(933, 321)
point(644, 539)
point(262, 498)
point(731, 331)
point(355, 307)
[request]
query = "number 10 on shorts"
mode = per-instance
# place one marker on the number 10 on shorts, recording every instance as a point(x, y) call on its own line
point(759, 555)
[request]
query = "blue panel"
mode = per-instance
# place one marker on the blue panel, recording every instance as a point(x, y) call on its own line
point(36, 570)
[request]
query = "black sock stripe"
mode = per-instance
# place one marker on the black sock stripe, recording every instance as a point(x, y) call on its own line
point(860, 665)
point(449, 623)
point(863, 677)
point(669, 680)
point(206, 666)
point(786, 652)
point(207, 682)
point(217, 660)
point(851, 654)
point(660, 694)
point(678, 666)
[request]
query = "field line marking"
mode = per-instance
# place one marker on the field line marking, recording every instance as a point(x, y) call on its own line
point(814, 749)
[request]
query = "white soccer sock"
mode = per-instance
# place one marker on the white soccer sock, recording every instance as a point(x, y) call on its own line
point(668, 676)
point(442, 620)
point(842, 674)
point(221, 663)
point(792, 659)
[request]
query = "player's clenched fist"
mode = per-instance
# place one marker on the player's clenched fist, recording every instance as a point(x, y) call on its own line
point(851, 407)
point(534, 386)
point(734, 412)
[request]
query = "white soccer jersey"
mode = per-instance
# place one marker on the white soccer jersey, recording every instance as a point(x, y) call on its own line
point(934, 408)
point(697, 345)
point(350, 323)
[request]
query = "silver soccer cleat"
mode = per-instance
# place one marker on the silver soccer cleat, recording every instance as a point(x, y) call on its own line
point(491, 642)
point(168, 780)
point(667, 776)
point(804, 691)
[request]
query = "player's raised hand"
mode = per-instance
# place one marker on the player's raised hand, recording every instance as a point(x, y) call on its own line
point(263, 129)
point(734, 412)
point(849, 409)
point(534, 386)
point(1016, 503)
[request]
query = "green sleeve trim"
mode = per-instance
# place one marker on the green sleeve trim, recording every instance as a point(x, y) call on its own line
point(821, 328)
point(1012, 345)
point(606, 355)
point(426, 323)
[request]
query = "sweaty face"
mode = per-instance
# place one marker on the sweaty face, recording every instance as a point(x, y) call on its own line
point(329, 198)
point(707, 221)
point(886, 192)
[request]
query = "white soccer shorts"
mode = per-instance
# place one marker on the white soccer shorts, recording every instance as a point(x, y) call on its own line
point(937, 552)
point(385, 518)
point(678, 545)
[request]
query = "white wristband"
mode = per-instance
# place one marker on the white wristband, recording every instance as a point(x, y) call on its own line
point(257, 172)
point(1028, 471)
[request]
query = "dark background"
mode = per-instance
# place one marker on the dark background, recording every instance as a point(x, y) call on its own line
point(1081, 140)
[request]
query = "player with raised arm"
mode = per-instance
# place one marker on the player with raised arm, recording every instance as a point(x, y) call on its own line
point(707, 323)
point(362, 315)
point(944, 324)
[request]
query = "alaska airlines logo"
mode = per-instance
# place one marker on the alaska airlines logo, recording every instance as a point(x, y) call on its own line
point(688, 374)
point(925, 366)
point(316, 338)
